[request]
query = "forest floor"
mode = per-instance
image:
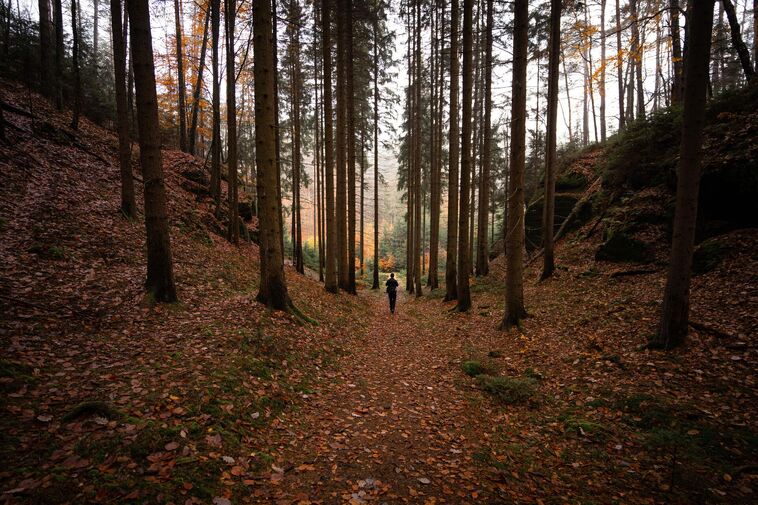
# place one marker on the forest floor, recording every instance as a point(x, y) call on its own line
point(109, 398)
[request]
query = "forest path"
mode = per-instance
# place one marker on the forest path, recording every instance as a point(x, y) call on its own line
point(395, 426)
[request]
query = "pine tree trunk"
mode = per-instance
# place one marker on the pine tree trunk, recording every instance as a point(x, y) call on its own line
point(603, 62)
point(737, 42)
point(233, 232)
point(638, 48)
point(514, 232)
point(676, 53)
point(317, 154)
point(343, 274)
point(482, 247)
point(60, 54)
point(363, 190)
point(417, 155)
point(464, 262)
point(95, 34)
point(330, 281)
point(675, 316)
point(197, 90)
point(160, 274)
point(75, 63)
point(273, 287)
point(350, 134)
point(451, 275)
point(216, 141)
point(548, 218)
point(375, 283)
point(436, 184)
point(620, 66)
point(128, 204)
point(180, 73)
point(47, 82)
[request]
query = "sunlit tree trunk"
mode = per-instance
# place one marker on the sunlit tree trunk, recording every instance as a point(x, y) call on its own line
point(639, 49)
point(273, 287)
point(675, 316)
point(160, 272)
point(514, 232)
point(128, 204)
point(603, 63)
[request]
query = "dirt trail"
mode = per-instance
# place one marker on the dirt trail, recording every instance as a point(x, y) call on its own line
point(394, 426)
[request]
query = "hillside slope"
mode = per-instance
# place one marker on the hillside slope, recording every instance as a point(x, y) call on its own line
point(212, 371)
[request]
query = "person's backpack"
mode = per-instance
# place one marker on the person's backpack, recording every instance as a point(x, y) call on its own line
point(392, 287)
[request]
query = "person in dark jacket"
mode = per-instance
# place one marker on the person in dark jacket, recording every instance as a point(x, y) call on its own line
point(392, 291)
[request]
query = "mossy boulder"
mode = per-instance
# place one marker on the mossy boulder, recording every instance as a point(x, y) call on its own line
point(709, 255)
point(620, 246)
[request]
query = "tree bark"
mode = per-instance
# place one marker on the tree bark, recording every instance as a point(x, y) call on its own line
point(192, 136)
point(160, 272)
point(417, 156)
point(47, 82)
point(675, 315)
point(514, 232)
point(482, 247)
point(464, 262)
point(75, 64)
point(330, 282)
point(128, 204)
point(737, 42)
point(233, 232)
point(273, 287)
point(216, 141)
point(451, 276)
point(676, 53)
point(59, 53)
point(341, 197)
point(603, 127)
point(375, 30)
point(548, 217)
point(182, 111)
point(350, 134)
point(620, 66)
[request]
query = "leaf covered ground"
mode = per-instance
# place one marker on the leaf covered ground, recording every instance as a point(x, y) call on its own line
point(108, 398)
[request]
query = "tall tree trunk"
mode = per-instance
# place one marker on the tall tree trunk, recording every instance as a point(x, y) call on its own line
point(317, 155)
point(463, 291)
point(737, 42)
point(197, 90)
point(482, 256)
point(160, 272)
point(451, 276)
point(342, 212)
point(48, 85)
point(568, 96)
point(603, 62)
point(273, 286)
point(363, 191)
point(417, 156)
point(296, 107)
point(75, 63)
point(180, 73)
point(330, 281)
point(676, 53)
point(436, 189)
point(675, 316)
point(128, 204)
point(638, 48)
point(216, 141)
point(375, 30)
point(410, 98)
point(233, 233)
point(514, 232)
point(350, 121)
point(620, 66)
point(59, 53)
point(548, 218)
point(95, 35)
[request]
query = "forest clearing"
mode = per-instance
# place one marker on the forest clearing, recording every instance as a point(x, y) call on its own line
point(179, 318)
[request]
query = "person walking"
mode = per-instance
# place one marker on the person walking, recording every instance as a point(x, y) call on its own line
point(392, 285)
